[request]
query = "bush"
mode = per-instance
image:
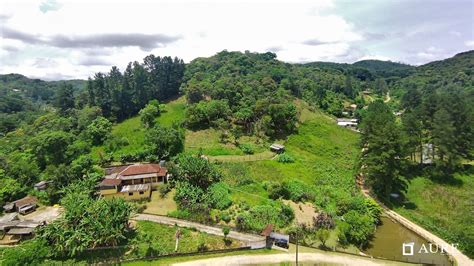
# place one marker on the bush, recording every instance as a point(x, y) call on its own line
point(323, 220)
point(245, 181)
point(188, 195)
point(225, 217)
point(285, 158)
point(33, 252)
point(277, 190)
point(356, 228)
point(113, 144)
point(293, 190)
point(180, 214)
point(165, 189)
point(246, 148)
point(299, 191)
point(259, 216)
point(219, 196)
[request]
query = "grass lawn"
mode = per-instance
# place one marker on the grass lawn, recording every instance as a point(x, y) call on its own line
point(159, 205)
point(207, 141)
point(444, 209)
point(173, 112)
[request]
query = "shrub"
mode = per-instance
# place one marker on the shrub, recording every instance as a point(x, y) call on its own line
point(298, 191)
point(219, 196)
point(29, 253)
point(293, 190)
point(277, 190)
point(113, 143)
point(323, 220)
point(246, 148)
point(245, 181)
point(180, 214)
point(225, 217)
point(373, 209)
point(188, 195)
point(259, 216)
point(165, 189)
point(285, 158)
point(357, 228)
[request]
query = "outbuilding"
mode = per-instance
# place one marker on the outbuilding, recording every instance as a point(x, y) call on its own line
point(278, 148)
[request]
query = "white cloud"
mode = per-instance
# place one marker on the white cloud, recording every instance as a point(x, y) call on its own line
point(75, 32)
point(469, 43)
point(375, 57)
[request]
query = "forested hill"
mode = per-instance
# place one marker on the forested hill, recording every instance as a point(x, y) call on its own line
point(22, 99)
point(34, 89)
point(386, 68)
point(368, 69)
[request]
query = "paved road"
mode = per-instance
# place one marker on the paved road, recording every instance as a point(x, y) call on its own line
point(312, 258)
point(200, 227)
point(461, 259)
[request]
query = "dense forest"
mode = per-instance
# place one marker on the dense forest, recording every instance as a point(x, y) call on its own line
point(49, 130)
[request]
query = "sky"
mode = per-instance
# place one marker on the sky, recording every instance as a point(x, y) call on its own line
point(60, 39)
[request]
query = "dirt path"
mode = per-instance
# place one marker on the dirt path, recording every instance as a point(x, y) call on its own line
point(461, 259)
point(200, 227)
point(281, 258)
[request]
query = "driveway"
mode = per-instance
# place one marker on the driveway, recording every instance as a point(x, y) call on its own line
point(200, 227)
point(46, 214)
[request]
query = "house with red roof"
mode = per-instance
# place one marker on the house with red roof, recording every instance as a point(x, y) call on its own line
point(132, 182)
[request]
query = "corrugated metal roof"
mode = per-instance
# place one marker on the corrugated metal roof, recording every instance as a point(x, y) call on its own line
point(134, 188)
point(130, 177)
point(20, 231)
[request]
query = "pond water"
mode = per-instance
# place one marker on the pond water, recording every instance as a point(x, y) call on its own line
point(388, 243)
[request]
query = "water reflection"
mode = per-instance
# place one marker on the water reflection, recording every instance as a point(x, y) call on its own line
point(388, 243)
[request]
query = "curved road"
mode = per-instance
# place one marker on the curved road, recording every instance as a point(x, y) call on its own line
point(280, 258)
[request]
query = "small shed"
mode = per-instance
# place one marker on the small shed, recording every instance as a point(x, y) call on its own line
point(40, 186)
point(24, 205)
point(278, 148)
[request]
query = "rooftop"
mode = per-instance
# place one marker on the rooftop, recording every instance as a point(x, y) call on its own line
point(139, 169)
point(110, 182)
point(135, 188)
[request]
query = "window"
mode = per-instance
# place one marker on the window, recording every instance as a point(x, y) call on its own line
point(141, 192)
point(130, 193)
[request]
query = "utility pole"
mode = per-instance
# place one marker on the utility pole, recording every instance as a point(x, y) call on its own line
point(297, 236)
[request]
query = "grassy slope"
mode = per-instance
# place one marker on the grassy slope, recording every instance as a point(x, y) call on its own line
point(446, 210)
point(320, 148)
point(132, 129)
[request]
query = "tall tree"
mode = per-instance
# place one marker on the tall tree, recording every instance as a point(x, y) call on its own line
point(444, 140)
point(65, 98)
point(382, 150)
point(413, 131)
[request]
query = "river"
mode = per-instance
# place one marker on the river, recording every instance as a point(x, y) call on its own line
point(388, 243)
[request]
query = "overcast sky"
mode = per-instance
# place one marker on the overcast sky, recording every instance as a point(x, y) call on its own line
point(55, 39)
